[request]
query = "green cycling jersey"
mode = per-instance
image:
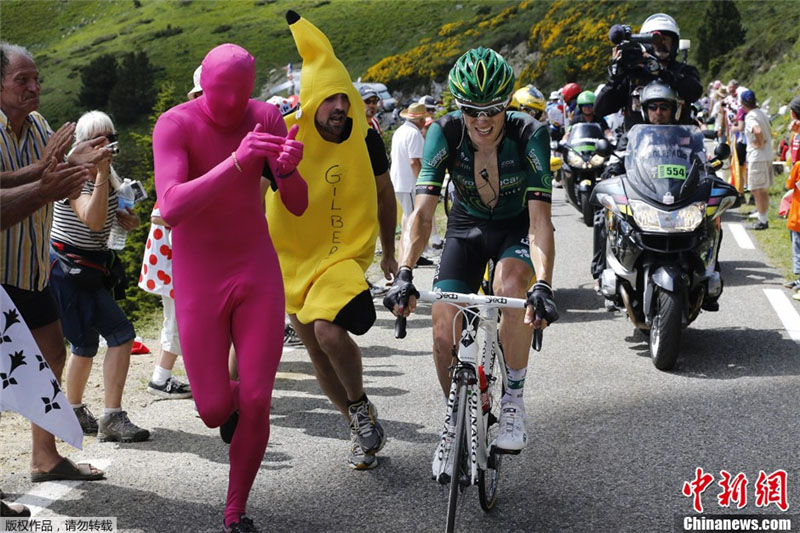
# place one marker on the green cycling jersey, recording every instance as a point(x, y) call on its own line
point(523, 163)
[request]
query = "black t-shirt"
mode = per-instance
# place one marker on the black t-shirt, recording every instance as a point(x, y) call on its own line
point(579, 118)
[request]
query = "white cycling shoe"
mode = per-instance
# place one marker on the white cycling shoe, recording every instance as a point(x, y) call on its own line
point(442, 467)
point(512, 434)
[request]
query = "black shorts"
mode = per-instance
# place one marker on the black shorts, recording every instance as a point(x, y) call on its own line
point(358, 315)
point(465, 254)
point(741, 153)
point(38, 308)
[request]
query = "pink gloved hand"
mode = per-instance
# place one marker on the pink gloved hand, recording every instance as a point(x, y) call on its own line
point(291, 153)
point(257, 146)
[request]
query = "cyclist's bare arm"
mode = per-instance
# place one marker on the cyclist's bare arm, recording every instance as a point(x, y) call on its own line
point(417, 234)
point(542, 247)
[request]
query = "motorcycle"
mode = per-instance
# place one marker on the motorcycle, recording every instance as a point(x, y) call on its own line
point(583, 166)
point(664, 232)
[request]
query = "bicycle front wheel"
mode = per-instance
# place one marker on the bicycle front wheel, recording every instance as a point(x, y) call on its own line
point(459, 451)
point(489, 477)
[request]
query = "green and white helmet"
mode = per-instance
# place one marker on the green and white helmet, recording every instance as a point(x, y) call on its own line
point(481, 76)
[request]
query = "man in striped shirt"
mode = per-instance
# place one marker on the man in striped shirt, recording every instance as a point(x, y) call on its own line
point(32, 176)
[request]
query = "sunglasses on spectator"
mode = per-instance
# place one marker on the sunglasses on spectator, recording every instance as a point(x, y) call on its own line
point(656, 107)
point(372, 100)
point(486, 111)
point(112, 137)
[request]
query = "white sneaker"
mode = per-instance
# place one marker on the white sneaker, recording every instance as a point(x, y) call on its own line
point(512, 434)
point(442, 467)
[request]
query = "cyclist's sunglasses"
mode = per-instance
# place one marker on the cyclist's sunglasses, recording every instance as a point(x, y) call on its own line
point(486, 111)
point(662, 107)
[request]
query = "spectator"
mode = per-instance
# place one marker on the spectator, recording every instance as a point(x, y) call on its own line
point(430, 104)
point(718, 113)
point(325, 253)
point(81, 229)
point(793, 183)
point(31, 178)
point(759, 156)
point(209, 195)
point(407, 145)
point(371, 100)
point(156, 278)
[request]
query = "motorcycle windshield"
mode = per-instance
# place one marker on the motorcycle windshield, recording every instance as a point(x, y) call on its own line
point(661, 158)
point(583, 136)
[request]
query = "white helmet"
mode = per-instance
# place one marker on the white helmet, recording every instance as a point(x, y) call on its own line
point(555, 95)
point(663, 23)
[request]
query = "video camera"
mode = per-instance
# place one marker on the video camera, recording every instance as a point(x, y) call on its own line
point(630, 45)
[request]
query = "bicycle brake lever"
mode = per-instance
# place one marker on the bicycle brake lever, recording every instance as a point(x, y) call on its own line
point(400, 321)
point(536, 342)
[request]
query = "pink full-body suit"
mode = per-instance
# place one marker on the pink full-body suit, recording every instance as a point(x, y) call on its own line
point(227, 278)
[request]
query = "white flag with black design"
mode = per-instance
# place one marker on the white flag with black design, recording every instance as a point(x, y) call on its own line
point(27, 385)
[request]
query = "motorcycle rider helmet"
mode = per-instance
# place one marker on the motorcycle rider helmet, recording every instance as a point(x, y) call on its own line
point(530, 100)
point(570, 91)
point(663, 24)
point(586, 98)
point(481, 76)
point(658, 91)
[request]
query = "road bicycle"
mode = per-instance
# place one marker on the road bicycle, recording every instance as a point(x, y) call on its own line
point(478, 384)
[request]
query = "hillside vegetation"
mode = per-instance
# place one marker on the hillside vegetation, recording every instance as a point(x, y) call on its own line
point(409, 45)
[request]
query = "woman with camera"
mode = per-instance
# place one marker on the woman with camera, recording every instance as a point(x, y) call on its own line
point(84, 274)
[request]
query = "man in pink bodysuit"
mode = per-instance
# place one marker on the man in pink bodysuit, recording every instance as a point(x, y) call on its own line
point(209, 156)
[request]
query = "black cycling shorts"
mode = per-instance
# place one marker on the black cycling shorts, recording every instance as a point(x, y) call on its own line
point(465, 255)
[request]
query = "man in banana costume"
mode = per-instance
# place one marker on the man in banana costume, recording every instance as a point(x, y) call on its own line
point(324, 253)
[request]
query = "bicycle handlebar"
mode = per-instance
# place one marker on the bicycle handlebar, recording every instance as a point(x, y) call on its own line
point(470, 299)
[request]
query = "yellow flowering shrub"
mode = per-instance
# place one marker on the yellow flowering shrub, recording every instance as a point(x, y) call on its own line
point(572, 41)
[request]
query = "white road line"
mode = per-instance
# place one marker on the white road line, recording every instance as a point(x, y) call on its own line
point(740, 235)
point(43, 496)
point(786, 312)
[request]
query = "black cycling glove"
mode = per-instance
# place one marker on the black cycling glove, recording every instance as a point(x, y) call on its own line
point(402, 289)
point(541, 298)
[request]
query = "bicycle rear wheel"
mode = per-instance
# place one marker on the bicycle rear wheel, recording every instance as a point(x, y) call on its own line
point(459, 451)
point(489, 478)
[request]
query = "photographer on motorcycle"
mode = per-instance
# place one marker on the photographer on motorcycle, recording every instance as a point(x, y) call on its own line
point(659, 105)
point(639, 59)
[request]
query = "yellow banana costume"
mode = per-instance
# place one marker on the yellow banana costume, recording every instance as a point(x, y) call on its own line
point(325, 252)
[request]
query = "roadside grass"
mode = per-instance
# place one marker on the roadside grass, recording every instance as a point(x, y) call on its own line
point(774, 241)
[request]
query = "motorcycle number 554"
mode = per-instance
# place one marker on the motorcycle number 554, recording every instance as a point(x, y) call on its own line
point(676, 172)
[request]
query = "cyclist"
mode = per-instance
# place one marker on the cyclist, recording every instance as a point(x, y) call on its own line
point(531, 101)
point(499, 163)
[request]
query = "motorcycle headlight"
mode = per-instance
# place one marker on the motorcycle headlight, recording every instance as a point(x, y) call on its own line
point(574, 160)
point(597, 160)
point(650, 218)
point(607, 201)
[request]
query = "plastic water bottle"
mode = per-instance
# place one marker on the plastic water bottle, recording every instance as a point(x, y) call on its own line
point(118, 235)
point(483, 383)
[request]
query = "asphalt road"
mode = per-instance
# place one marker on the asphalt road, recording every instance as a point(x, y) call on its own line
point(612, 440)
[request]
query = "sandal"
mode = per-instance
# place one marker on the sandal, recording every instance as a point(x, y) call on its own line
point(14, 510)
point(67, 470)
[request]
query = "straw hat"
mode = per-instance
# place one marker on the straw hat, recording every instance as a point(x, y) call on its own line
point(415, 111)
